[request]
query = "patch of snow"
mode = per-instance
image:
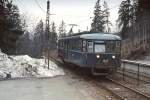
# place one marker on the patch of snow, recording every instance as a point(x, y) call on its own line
point(25, 66)
point(145, 60)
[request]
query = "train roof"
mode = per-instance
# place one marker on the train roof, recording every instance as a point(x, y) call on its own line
point(95, 36)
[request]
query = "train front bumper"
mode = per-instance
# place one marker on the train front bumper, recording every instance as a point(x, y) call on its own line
point(104, 60)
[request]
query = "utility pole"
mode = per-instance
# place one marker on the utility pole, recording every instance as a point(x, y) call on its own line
point(48, 29)
point(48, 36)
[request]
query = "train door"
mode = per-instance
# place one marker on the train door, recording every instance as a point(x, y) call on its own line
point(90, 47)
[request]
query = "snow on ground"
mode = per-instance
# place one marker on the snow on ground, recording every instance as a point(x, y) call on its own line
point(145, 70)
point(145, 60)
point(25, 66)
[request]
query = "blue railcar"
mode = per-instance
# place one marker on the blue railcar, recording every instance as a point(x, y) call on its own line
point(98, 51)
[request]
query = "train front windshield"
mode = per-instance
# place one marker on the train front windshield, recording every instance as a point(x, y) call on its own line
point(100, 48)
point(104, 47)
point(113, 46)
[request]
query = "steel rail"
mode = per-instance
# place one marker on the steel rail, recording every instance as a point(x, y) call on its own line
point(134, 90)
point(118, 96)
point(112, 92)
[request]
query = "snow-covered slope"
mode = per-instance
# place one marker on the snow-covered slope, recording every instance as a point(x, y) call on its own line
point(25, 66)
point(145, 59)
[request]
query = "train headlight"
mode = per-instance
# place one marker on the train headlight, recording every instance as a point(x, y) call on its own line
point(97, 56)
point(113, 57)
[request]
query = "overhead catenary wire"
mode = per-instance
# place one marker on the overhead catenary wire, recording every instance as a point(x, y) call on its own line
point(21, 4)
point(77, 16)
point(39, 6)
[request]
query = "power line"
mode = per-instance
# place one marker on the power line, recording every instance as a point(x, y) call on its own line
point(39, 6)
point(21, 4)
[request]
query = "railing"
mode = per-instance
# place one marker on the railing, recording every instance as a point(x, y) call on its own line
point(139, 66)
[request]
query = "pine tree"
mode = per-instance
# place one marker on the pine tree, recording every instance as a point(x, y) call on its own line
point(106, 17)
point(53, 35)
point(53, 27)
point(98, 20)
point(39, 39)
point(10, 26)
point(124, 17)
point(62, 29)
point(135, 11)
point(25, 45)
point(14, 18)
point(127, 16)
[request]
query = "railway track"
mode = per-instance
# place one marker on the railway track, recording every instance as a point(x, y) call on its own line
point(133, 75)
point(125, 92)
point(122, 91)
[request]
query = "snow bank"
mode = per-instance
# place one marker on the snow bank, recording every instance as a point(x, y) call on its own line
point(25, 66)
point(145, 60)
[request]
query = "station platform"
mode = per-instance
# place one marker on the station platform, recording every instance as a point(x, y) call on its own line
point(39, 89)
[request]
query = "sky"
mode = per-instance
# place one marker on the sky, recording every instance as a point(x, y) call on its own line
point(78, 12)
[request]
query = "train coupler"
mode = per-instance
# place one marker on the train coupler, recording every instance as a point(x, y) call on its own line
point(98, 72)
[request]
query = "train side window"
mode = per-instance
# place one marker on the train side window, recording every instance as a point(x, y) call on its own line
point(118, 44)
point(62, 44)
point(70, 45)
point(79, 45)
point(84, 44)
point(59, 44)
point(75, 44)
point(65, 44)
